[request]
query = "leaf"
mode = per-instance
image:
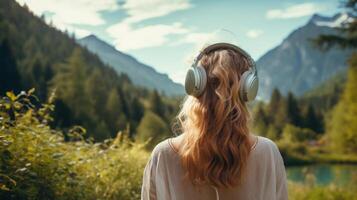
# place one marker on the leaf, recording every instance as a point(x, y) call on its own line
point(12, 181)
point(31, 91)
point(4, 187)
point(11, 95)
point(7, 106)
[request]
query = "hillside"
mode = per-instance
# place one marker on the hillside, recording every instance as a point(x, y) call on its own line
point(139, 73)
point(297, 60)
point(34, 54)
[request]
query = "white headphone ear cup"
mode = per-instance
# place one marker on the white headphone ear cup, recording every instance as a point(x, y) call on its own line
point(195, 81)
point(249, 86)
point(190, 81)
point(252, 86)
point(202, 80)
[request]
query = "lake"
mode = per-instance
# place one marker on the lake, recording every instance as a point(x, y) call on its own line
point(324, 174)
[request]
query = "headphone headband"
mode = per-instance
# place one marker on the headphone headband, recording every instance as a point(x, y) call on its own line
point(196, 78)
point(222, 45)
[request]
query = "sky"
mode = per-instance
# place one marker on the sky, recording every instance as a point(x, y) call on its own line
point(167, 34)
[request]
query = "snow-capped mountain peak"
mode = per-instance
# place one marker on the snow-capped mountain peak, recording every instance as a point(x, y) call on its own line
point(336, 21)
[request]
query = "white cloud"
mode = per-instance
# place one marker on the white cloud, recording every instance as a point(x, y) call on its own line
point(66, 13)
point(139, 10)
point(127, 38)
point(254, 33)
point(295, 11)
point(72, 11)
point(128, 35)
point(196, 38)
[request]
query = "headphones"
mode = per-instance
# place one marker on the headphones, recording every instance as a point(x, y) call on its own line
point(196, 77)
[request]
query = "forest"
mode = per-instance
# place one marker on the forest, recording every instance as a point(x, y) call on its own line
point(68, 133)
point(34, 55)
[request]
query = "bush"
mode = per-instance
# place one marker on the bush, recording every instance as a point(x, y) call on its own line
point(303, 192)
point(152, 128)
point(293, 134)
point(36, 162)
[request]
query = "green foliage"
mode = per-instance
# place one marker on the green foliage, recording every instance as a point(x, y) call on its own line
point(89, 93)
point(342, 125)
point(9, 76)
point(293, 134)
point(36, 162)
point(312, 120)
point(271, 118)
point(156, 104)
point(302, 192)
point(152, 128)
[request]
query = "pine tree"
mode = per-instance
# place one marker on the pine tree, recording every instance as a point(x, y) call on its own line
point(115, 116)
point(312, 121)
point(260, 121)
point(9, 76)
point(275, 99)
point(277, 110)
point(156, 104)
point(293, 111)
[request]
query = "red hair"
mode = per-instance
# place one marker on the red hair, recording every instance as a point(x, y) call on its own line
point(215, 146)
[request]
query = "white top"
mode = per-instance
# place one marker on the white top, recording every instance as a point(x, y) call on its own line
point(263, 179)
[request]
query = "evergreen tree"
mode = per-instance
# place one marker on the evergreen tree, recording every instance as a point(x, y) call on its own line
point(275, 99)
point(312, 121)
point(9, 76)
point(70, 81)
point(293, 111)
point(115, 116)
point(156, 104)
point(260, 121)
point(97, 89)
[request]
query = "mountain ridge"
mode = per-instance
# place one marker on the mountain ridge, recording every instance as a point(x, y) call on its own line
point(139, 73)
point(296, 65)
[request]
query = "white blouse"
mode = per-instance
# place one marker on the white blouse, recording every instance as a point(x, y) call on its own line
point(263, 179)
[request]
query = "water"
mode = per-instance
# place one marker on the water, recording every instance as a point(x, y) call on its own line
point(324, 174)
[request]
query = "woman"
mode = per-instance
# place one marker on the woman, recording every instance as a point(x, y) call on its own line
point(216, 156)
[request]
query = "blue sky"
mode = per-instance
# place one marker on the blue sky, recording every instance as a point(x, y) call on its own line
point(166, 34)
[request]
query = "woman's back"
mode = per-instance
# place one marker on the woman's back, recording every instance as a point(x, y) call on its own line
point(264, 177)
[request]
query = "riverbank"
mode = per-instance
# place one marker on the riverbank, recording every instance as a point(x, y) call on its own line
point(300, 154)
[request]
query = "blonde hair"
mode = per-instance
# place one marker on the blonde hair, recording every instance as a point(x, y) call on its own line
point(215, 146)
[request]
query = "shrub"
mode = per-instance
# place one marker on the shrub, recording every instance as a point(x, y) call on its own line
point(36, 162)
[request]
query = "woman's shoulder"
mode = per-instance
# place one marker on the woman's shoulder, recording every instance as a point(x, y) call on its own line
point(265, 145)
point(164, 147)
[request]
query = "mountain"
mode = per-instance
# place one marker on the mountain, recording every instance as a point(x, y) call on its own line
point(139, 73)
point(296, 64)
point(34, 54)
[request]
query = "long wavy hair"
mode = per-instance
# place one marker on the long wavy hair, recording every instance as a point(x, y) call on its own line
point(215, 146)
